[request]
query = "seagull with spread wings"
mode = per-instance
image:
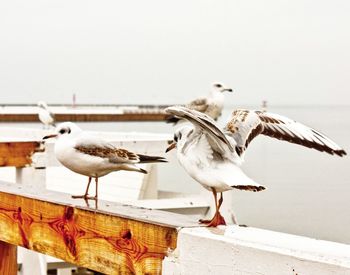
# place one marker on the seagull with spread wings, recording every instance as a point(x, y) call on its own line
point(94, 157)
point(210, 105)
point(212, 156)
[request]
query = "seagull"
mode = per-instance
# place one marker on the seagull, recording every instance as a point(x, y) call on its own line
point(212, 156)
point(45, 116)
point(93, 157)
point(211, 104)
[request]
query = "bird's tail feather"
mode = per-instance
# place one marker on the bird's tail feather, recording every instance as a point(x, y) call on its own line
point(239, 180)
point(150, 159)
point(254, 188)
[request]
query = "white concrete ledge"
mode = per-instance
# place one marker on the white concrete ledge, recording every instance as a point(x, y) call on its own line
point(239, 250)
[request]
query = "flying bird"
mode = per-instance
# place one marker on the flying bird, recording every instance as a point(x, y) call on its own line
point(45, 116)
point(212, 156)
point(93, 157)
point(211, 104)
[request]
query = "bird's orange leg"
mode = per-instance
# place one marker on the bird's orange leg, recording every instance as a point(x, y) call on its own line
point(86, 195)
point(217, 219)
point(220, 200)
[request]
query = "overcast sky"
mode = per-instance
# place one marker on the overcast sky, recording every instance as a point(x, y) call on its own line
point(157, 51)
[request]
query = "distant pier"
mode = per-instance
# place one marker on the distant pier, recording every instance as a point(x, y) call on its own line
point(85, 112)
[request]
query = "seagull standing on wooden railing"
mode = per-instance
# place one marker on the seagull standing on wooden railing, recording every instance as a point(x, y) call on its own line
point(212, 156)
point(211, 105)
point(94, 157)
point(45, 116)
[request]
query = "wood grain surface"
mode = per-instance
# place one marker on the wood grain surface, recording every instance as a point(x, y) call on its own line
point(107, 237)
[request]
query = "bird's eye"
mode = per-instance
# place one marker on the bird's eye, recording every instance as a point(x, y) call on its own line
point(218, 85)
point(62, 131)
point(175, 138)
point(180, 135)
point(68, 130)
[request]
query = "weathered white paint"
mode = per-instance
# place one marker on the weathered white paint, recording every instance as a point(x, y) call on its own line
point(240, 250)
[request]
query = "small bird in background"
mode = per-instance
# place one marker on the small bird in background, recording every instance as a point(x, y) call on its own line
point(45, 116)
point(211, 105)
point(212, 156)
point(93, 157)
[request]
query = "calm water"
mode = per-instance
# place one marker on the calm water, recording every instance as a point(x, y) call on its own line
point(308, 192)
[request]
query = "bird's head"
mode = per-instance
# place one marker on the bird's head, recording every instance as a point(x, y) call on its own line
point(219, 87)
point(180, 137)
point(65, 129)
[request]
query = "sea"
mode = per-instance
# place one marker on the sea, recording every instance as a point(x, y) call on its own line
point(307, 192)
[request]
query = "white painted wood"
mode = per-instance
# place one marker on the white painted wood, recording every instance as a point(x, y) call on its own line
point(31, 176)
point(33, 263)
point(193, 205)
point(8, 174)
point(239, 250)
point(64, 271)
point(149, 188)
point(191, 201)
point(52, 262)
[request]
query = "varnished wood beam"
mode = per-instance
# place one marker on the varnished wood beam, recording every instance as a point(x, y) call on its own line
point(8, 259)
point(107, 237)
point(19, 153)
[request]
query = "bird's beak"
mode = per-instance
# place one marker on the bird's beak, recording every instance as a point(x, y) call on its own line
point(49, 136)
point(227, 90)
point(171, 147)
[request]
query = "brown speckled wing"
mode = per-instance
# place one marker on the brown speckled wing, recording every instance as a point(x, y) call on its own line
point(114, 155)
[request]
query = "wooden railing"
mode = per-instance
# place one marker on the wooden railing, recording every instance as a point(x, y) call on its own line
point(103, 236)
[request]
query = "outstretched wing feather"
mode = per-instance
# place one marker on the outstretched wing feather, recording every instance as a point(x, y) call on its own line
point(245, 125)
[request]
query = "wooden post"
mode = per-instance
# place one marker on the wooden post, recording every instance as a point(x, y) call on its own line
point(8, 258)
